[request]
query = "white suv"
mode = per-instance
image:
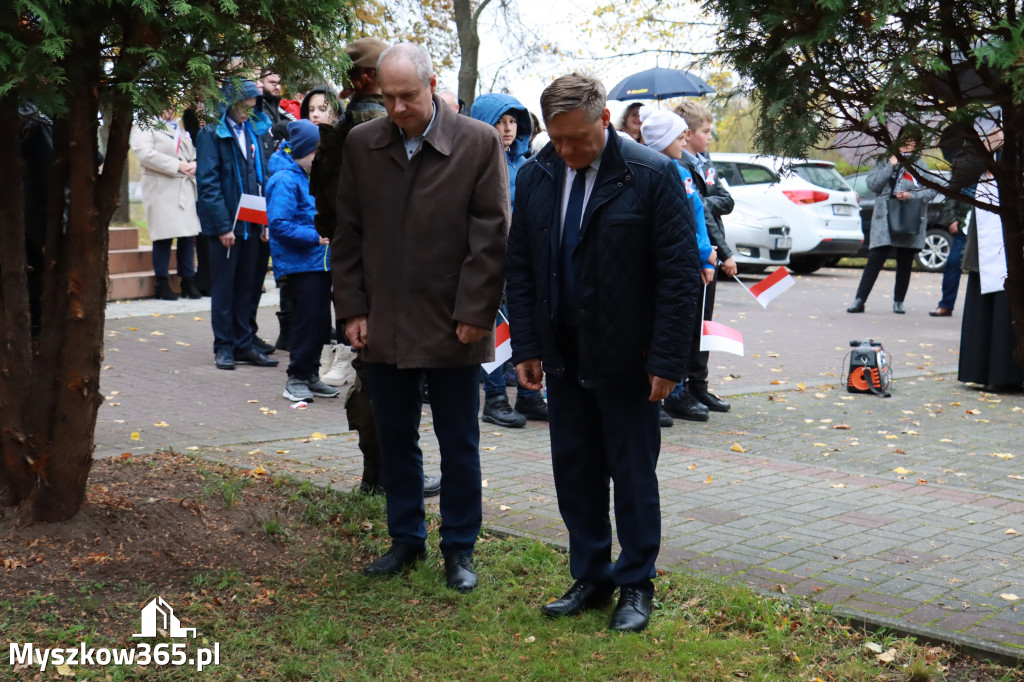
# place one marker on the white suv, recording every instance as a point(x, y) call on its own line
point(811, 196)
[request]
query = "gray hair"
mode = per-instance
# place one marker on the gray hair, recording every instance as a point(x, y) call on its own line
point(571, 92)
point(414, 54)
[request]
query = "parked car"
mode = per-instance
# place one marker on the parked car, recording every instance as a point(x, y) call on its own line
point(810, 196)
point(757, 239)
point(937, 241)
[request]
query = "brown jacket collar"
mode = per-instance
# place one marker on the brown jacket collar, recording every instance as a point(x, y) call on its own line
point(440, 136)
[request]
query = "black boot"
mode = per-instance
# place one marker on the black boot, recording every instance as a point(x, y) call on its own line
point(284, 336)
point(189, 288)
point(164, 291)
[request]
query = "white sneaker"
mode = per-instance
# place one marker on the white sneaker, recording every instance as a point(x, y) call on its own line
point(340, 372)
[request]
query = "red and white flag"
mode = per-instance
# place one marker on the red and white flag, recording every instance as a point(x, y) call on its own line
point(252, 209)
point(502, 348)
point(771, 286)
point(716, 336)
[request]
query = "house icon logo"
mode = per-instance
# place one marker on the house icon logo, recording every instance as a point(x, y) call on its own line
point(158, 615)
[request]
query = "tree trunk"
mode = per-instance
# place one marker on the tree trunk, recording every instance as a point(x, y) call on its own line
point(1011, 196)
point(15, 336)
point(49, 388)
point(466, 22)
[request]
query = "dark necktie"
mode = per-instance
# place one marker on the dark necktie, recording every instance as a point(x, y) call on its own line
point(570, 240)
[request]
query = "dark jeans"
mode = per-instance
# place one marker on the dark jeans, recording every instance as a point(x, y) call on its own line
point(186, 257)
point(454, 402)
point(311, 322)
point(876, 259)
point(599, 436)
point(951, 273)
point(233, 272)
point(260, 274)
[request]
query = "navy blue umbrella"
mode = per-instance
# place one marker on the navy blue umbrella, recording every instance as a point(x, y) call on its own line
point(659, 83)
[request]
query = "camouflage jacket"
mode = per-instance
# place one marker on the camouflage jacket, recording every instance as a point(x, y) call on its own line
point(323, 176)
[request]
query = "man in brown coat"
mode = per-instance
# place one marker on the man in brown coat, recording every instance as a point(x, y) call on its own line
point(423, 213)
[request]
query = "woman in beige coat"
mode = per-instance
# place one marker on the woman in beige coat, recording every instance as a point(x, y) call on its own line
point(168, 159)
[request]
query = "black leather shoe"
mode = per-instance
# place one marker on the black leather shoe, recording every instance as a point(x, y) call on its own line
point(685, 406)
point(458, 567)
point(633, 612)
point(254, 357)
point(224, 359)
point(431, 486)
point(398, 558)
point(712, 401)
point(263, 346)
point(582, 596)
point(664, 420)
point(897, 307)
point(532, 408)
point(498, 411)
point(857, 307)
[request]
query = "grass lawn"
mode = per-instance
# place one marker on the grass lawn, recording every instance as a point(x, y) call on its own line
point(305, 612)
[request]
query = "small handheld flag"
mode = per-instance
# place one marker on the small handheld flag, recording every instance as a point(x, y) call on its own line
point(771, 286)
point(717, 336)
point(502, 347)
point(252, 209)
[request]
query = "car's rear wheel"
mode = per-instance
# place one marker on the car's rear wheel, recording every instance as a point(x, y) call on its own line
point(935, 253)
point(805, 265)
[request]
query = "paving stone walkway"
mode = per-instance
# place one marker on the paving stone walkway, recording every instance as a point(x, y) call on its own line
point(904, 512)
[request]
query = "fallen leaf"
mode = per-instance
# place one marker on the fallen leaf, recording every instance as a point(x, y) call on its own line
point(1009, 596)
point(282, 452)
point(736, 447)
point(841, 426)
point(1010, 531)
point(489, 447)
point(973, 412)
point(1001, 455)
point(161, 423)
point(776, 382)
point(252, 401)
point(197, 319)
point(483, 483)
point(801, 386)
point(64, 671)
point(838, 485)
point(922, 481)
point(902, 471)
point(873, 646)
point(888, 657)
point(692, 466)
point(504, 507)
point(820, 445)
point(709, 479)
point(135, 435)
point(258, 471)
point(318, 436)
point(531, 639)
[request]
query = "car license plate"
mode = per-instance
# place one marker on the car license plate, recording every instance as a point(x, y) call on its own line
point(843, 209)
point(783, 242)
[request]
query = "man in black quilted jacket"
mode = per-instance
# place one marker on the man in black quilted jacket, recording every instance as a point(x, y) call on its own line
point(602, 293)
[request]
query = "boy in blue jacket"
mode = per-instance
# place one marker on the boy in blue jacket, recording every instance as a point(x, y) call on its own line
point(302, 254)
point(514, 125)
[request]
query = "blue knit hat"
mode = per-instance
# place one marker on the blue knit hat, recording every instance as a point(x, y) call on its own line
point(303, 137)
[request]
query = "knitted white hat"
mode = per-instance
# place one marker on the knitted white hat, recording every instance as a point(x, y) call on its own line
point(660, 127)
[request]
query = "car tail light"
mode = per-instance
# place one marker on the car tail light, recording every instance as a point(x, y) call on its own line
point(805, 196)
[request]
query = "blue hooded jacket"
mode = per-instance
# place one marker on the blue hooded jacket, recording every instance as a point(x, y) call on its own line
point(489, 109)
point(294, 242)
point(219, 165)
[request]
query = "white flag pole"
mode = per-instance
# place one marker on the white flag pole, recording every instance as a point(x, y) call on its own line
point(737, 278)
